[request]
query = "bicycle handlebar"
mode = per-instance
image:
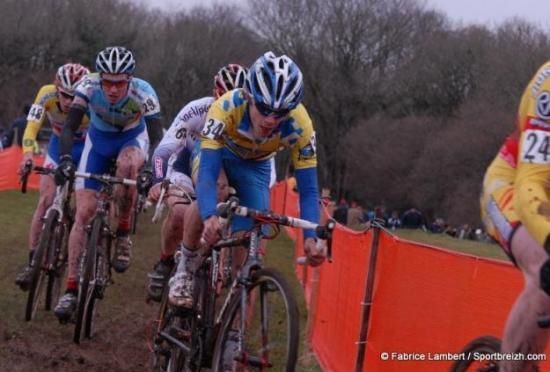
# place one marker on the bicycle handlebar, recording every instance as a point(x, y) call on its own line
point(324, 232)
point(103, 178)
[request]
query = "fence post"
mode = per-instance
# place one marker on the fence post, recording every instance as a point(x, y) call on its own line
point(367, 300)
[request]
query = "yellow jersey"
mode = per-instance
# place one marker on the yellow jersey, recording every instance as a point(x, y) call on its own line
point(532, 202)
point(46, 104)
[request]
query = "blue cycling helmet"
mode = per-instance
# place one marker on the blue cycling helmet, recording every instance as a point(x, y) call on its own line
point(115, 60)
point(276, 82)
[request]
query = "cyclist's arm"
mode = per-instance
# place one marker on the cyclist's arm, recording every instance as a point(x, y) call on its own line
point(188, 123)
point(154, 130)
point(209, 170)
point(212, 143)
point(72, 123)
point(304, 158)
point(35, 119)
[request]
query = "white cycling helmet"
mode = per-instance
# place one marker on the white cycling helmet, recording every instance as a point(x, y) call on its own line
point(276, 82)
point(115, 60)
point(69, 75)
point(228, 78)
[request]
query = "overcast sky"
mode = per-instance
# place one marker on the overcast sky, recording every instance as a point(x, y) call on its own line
point(489, 12)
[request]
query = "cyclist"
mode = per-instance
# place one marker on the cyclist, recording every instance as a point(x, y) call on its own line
point(245, 128)
point(179, 143)
point(124, 118)
point(52, 101)
point(515, 210)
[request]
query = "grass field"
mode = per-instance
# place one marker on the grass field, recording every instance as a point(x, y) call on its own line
point(444, 241)
point(124, 318)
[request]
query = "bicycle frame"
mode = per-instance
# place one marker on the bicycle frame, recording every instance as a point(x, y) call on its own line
point(207, 323)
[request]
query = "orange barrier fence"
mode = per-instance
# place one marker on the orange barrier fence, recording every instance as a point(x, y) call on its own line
point(9, 164)
point(426, 301)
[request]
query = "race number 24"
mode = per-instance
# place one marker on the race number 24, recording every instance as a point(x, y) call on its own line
point(536, 147)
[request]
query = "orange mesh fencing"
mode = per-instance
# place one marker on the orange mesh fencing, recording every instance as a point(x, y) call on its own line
point(426, 300)
point(9, 165)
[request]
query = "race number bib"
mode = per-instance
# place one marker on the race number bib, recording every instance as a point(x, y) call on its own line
point(36, 113)
point(536, 147)
point(213, 129)
point(150, 106)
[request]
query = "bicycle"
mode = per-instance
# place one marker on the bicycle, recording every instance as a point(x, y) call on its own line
point(223, 337)
point(486, 345)
point(50, 258)
point(95, 263)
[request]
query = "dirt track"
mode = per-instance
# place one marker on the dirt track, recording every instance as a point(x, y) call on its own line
point(45, 345)
point(119, 344)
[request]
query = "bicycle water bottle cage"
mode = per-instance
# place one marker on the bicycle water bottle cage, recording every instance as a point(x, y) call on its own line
point(545, 277)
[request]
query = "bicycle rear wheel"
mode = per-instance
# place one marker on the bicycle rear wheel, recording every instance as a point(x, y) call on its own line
point(479, 346)
point(58, 258)
point(87, 277)
point(271, 328)
point(40, 261)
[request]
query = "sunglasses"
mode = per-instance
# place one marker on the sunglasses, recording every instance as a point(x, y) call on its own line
point(118, 84)
point(65, 94)
point(266, 111)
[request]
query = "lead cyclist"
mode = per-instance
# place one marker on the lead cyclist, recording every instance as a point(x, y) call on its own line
point(179, 143)
point(243, 131)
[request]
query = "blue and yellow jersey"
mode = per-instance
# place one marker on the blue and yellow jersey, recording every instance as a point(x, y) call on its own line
point(46, 104)
point(228, 125)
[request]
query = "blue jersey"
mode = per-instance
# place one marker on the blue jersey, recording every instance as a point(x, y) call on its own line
point(130, 112)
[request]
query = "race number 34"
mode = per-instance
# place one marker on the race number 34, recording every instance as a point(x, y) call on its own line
point(213, 129)
point(536, 147)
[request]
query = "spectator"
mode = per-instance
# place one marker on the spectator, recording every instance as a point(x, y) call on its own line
point(355, 217)
point(465, 232)
point(438, 226)
point(413, 219)
point(14, 135)
point(341, 212)
point(394, 222)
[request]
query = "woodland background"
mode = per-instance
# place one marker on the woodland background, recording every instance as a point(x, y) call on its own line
point(409, 108)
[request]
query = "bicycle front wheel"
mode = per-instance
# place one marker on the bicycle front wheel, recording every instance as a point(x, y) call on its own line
point(58, 259)
point(87, 277)
point(40, 261)
point(268, 336)
point(479, 346)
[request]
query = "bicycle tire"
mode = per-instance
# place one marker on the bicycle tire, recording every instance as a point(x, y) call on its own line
point(85, 291)
point(266, 281)
point(57, 273)
point(159, 355)
point(39, 273)
point(102, 268)
point(480, 345)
